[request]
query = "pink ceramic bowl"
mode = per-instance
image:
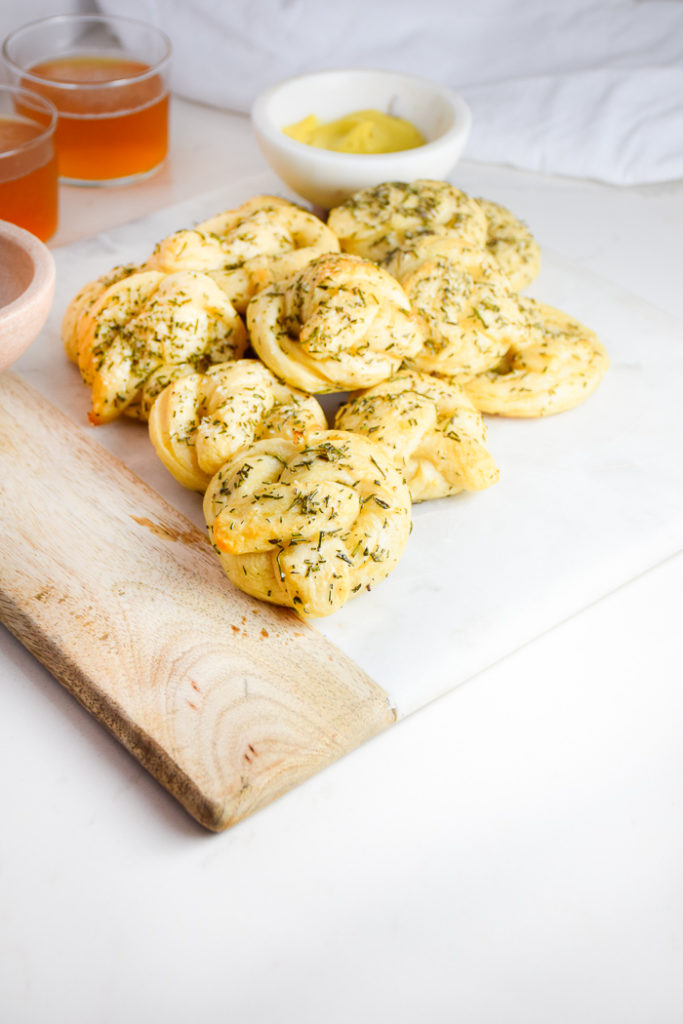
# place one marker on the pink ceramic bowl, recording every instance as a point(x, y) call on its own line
point(27, 287)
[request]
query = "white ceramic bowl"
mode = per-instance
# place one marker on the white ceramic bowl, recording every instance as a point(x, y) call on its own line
point(327, 178)
point(27, 286)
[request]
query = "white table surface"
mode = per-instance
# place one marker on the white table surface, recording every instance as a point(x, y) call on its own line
point(510, 853)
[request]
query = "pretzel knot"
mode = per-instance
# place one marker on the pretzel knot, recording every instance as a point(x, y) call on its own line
point(340, 323)
point(308, 524)
point(82, 303)
point(151, 328)
point(247, 248)
point(374, 222)
point(430, 428)
point(511, 244)
point(556, 366)
point(469, 315)
point(201, 421)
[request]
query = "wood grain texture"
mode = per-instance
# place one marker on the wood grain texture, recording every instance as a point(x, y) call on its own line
point(228, 702)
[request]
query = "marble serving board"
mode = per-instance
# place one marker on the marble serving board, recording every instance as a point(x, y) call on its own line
point(587, 500)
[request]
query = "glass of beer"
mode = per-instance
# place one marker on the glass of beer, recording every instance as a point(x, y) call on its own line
point(28, 161)
point(108, 79)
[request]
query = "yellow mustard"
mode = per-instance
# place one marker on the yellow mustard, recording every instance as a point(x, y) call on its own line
point(363, 131)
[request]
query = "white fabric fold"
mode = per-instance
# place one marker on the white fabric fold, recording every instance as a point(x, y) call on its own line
point(623, 127)
point(587, 88)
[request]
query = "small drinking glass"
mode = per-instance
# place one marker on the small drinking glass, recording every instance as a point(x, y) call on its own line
point(108, 78)
point(28, 161)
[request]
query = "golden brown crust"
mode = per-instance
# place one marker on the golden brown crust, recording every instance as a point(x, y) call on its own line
point(509, 241)
point(375, 222)
point(469, 316)
point(200, 422)
point(431, 430)
point(560, 364)
point(84, 301)
point(340, 323)
point(149, 329)
point(308, 524)
point(246, 249)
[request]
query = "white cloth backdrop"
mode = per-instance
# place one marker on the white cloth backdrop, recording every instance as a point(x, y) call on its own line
point(587, 88)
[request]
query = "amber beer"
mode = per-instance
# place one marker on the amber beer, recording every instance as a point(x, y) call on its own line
point(108, 79)
point(108, 128)
point(28, 163)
